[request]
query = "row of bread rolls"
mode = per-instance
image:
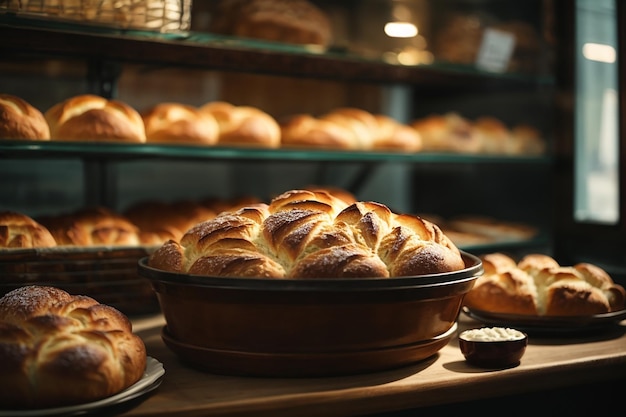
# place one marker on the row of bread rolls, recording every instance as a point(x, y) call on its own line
point(451, 132)
point(538, 285)
point(218, 123)
point(147, 222)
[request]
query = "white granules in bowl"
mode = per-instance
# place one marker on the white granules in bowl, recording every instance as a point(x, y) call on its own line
point(492, 334)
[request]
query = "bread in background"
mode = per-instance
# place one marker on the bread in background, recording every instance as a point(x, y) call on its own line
point(288, 21)
point(89, 117)
point(449, 132)
point(243, 125)
point(21, 120)
point(19, 231)
point(179, 123)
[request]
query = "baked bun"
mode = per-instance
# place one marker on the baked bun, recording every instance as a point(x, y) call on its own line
point(311, 234)
point(289, 21)
point(89, 117)
point(363, 124)
point(57, 349)
point(20, 120)
point(92, 226)
point(243, 125)
point(306, 131)
point(538, 285)
point(179, 123)
point(448, 132)
point(395, 136)
point(160, 221)
point(20, 231)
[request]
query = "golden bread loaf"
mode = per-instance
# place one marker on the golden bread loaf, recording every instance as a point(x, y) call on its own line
point(18, 230)
point(538, 285)
point(92, 226)
point(179, 123)
point(243, 125)
point(306, 131)
point(395, 136)
point(448, 132)
point(289, 21)
point(20, 120)
point(310, 234)
point(89, 117)
point(58, 349)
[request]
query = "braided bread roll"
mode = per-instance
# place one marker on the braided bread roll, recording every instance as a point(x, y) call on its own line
point(57, 349)
point(311, 234)
point(538, 285)
point(18, 230)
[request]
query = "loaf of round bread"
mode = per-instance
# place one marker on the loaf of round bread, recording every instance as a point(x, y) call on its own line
point(311, 234)
point(89, 117)
point(58, 349)
point(20, 120)
point(18, 230)
point(307, 131)
point(243, 125)
point(290, 21)
point(538, 285)
point(179, 123)
point(448, 132)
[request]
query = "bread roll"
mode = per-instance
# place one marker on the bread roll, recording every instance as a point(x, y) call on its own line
point(92, 226)
point(363, 124)
point(88, 117)
point(395, 136)
point(58, 349)
point(17, 230)
point(537, 285)
point(311, 234)
point(20, 120)
point(449, 132)
point(290, 21)
point(179, 123)
point(306, 131)
point(243, 125)
point(160, 221)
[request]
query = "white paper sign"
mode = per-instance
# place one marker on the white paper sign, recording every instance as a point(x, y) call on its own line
point(495, 50)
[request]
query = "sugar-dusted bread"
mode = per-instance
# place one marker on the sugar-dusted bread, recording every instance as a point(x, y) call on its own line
point(18, 230)
point(58, 349)
point(538, 285)
point(89, 117)
point(21, 120)
point(179, 123)
point(243, 125)
point(311, 234)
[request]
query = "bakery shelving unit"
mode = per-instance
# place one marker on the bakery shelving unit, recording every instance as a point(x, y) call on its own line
point(104, 49)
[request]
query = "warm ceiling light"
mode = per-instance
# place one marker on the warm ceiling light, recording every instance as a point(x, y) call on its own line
point(599, 52)
point(400, 29)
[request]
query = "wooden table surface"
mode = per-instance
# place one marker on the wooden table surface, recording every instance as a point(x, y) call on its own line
point(549, 362)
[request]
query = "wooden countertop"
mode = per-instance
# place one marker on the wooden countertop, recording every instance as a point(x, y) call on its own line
point(549, 362)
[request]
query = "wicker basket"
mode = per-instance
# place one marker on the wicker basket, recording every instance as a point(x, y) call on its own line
point(154, 15)
point(107, 274)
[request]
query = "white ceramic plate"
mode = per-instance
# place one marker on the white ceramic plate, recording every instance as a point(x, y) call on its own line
point(151, 380)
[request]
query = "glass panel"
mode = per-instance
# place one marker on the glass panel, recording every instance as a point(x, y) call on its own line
point(596, 113)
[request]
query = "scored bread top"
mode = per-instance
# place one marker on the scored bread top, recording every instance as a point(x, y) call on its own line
point(311, 234)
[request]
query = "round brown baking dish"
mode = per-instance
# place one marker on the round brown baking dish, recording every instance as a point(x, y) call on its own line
point(308, 327)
